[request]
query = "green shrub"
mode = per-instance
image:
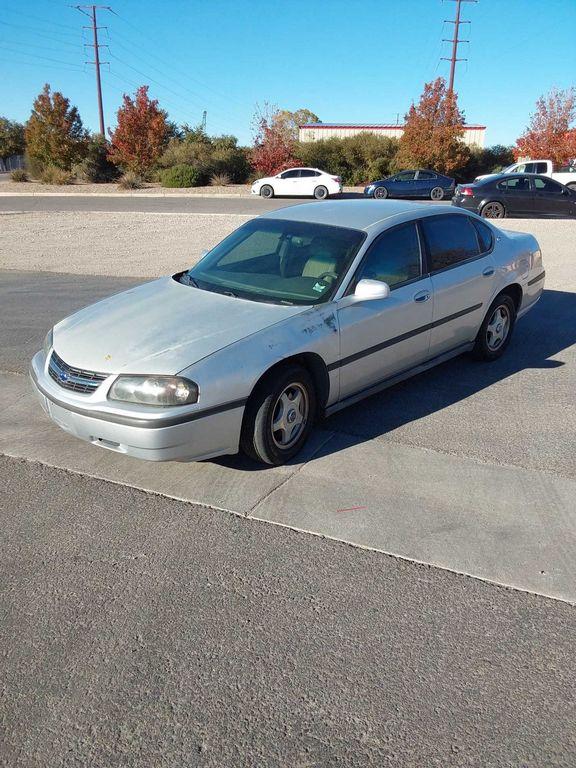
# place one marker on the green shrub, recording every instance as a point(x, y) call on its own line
point(219, 180)
point(51, 174)
point(182, 176)
point(95, 168)
point(357, 159)
point(19, 174)
point(130, 180)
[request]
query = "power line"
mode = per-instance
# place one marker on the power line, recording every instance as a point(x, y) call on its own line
point(456, 40)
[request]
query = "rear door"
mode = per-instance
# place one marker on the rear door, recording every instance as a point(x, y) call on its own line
point(425, 181)
point(459, 256)
point(383, 337)
point(549, 197)
point(308, 181)
point(517, 194)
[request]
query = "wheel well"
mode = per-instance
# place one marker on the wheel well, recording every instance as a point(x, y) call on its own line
point(515, 293)
point(315, 366)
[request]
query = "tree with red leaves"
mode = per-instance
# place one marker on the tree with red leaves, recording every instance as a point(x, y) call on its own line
point(551, 134)
point(141, 133)
point(273, 147)
point(433, 132)
point(54, 132)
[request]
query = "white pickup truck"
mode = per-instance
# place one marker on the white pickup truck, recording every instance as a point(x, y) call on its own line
point(565, 175)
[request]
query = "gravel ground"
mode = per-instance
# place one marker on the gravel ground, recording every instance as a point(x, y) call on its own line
point(152, 244)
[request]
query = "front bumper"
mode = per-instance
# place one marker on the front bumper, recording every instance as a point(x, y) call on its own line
point(185, 437)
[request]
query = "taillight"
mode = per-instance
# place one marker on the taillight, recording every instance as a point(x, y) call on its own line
point(337, 179)
point(466, 191)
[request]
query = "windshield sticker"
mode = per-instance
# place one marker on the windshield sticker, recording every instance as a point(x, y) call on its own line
point(319, 287)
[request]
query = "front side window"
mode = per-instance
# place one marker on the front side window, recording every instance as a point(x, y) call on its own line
point(278, 261)
point(290, 175)
point(394, 258)
point(405, 176)
point(450, 239)
point(547, 185)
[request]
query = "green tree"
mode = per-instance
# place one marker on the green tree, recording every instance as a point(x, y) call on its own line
point(11, 138)
point(54, 132)
point(433, 132)
point(288, 122)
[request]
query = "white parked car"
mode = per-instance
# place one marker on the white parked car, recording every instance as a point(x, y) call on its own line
point(295, 315)
point(565, 175)
point(299, 182)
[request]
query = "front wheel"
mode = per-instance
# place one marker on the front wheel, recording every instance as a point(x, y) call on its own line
point(496, 330)
point(279, 416)
point(320, 193)
point(493, 211)
point(267, 191)
point(380, 193)
point(437, 193)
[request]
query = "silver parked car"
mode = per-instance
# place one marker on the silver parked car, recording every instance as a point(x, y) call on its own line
point(296, 314)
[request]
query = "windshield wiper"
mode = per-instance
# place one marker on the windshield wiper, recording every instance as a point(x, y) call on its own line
point(187, 279)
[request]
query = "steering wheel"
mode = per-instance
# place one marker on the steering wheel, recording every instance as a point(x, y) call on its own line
point(328, 277)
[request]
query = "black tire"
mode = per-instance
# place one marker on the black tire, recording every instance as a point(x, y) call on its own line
point(493, 210)
point(380, 193)
point(437, 193)
point(320, 193)
point(267, 192)
point(258, 439)
point(485, 347)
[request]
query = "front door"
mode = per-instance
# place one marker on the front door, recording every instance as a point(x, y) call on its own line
point(459, 251)
point(404, 184)
point(288, 183)
point(384, 337)
point(549, 197)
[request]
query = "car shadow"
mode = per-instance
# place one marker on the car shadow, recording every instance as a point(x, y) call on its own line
point(544, 332)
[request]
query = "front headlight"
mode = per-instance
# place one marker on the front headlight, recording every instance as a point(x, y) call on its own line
point(154, 390)
point(48, 342)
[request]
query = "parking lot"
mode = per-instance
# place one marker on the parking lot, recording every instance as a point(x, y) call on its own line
point(469, 468)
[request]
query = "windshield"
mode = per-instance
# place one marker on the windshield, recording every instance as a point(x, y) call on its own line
point(281, 261)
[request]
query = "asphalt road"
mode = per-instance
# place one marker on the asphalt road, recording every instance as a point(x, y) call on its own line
point(141, 631)
point(168, 204)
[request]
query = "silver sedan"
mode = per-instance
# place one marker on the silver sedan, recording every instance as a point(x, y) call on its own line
point(295, 315)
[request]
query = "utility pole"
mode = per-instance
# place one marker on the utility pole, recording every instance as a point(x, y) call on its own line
point(204, 114)
point(90, 11)
point(455, 41)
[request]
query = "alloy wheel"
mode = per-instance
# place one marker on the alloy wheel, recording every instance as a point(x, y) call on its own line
point(437, 193)
point(493, 211)
point(290, 415)
point(498, 328)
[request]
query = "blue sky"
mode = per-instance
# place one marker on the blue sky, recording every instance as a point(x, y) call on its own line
point(345, 60)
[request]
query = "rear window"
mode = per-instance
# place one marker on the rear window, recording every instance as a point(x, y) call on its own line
point(450, 239)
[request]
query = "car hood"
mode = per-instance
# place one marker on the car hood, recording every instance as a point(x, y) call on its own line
point(160, 327)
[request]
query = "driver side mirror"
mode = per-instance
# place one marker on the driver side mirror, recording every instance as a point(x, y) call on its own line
point(367, 289)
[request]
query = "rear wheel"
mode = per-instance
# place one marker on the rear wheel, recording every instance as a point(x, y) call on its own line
point(493, 211)
point(437, 193)
point(380, 193)
point(267, 191)
point(320, 193)
point(279, 416)
point(496, 330)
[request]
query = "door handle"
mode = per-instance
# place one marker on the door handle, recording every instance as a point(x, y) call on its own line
point(488, 272)
point(422, 296)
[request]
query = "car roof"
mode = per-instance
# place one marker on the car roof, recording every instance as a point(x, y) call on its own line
point(354, 214)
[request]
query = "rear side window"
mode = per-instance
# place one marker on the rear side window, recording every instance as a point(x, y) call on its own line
point(305, 174)
point(426, 175)
point(394, 258)
point(450, 240)
point(485, 236)
point(521, 184)
point(541, 167)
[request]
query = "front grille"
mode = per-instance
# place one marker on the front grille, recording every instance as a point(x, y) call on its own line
point(75, 379)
